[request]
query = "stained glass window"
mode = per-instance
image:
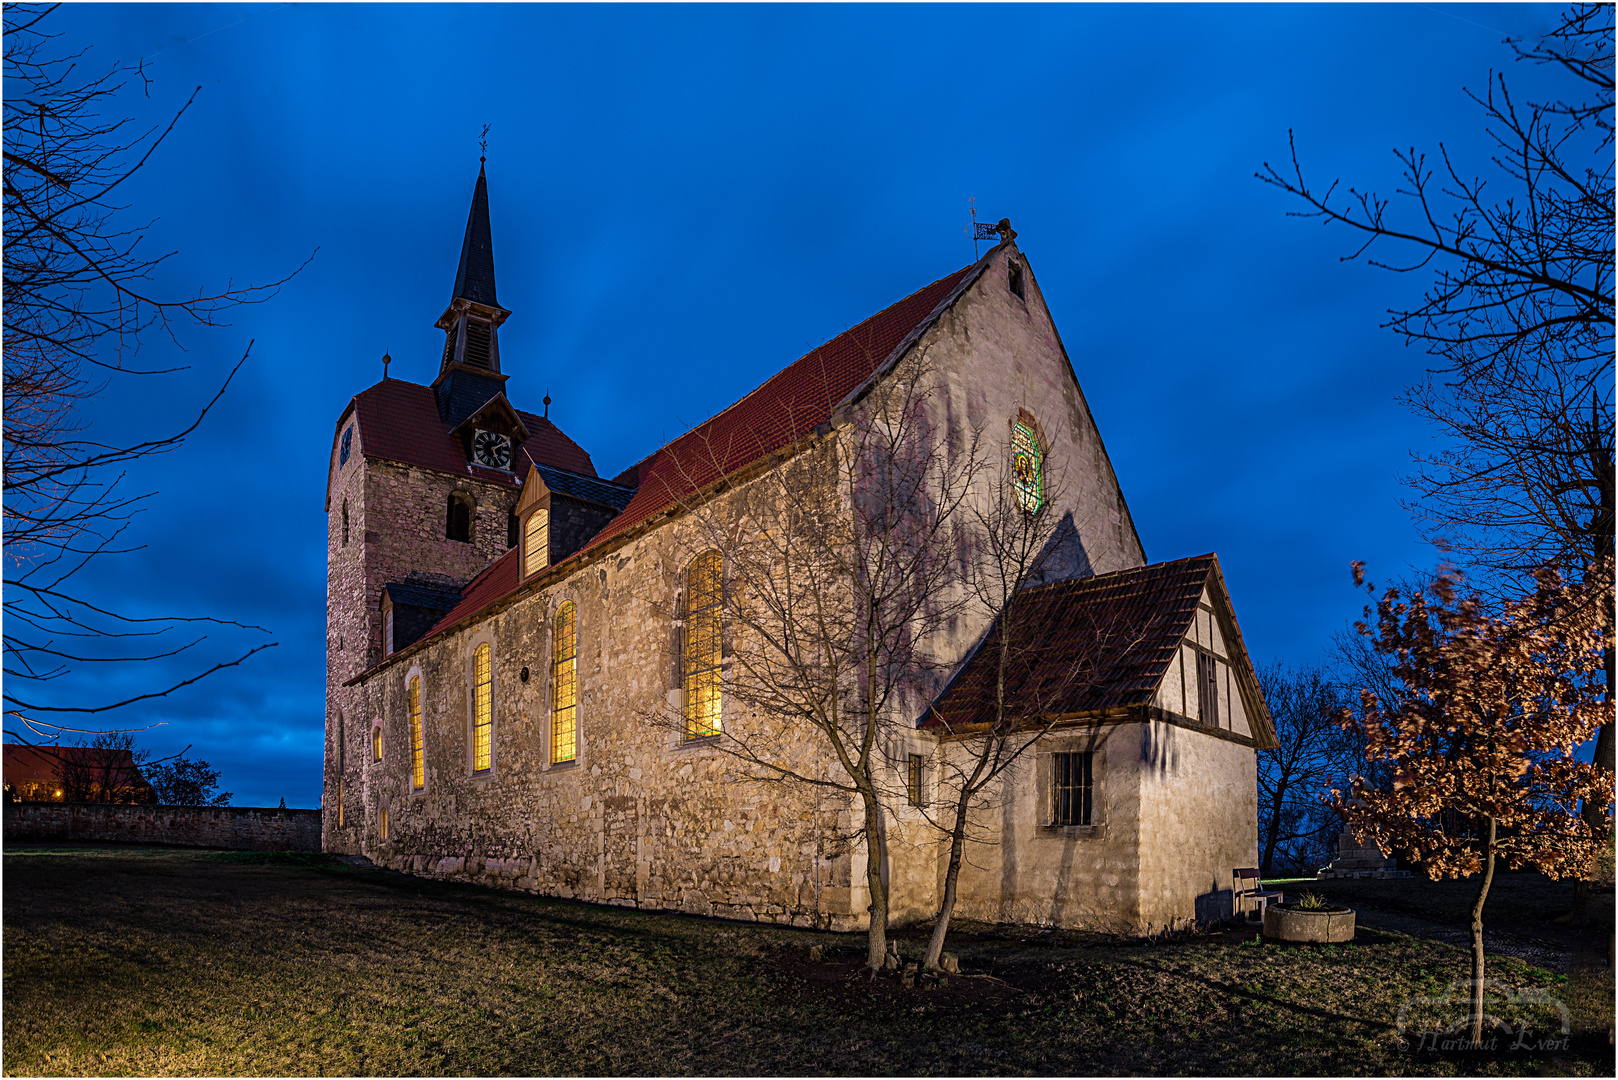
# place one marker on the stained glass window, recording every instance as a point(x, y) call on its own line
point(418, 765)
point(482, 708)
point(536, 554)
point(1028, 467)
point(704, 615)
point(565, 686)
point(348, 442)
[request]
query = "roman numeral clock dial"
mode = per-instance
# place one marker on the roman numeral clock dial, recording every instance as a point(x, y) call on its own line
point(492, 449)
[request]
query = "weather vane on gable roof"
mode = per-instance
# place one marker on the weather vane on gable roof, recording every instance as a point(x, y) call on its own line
point(483, 144)
point(982, 230)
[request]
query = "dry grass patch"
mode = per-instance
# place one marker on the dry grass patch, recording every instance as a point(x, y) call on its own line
point(161, 962)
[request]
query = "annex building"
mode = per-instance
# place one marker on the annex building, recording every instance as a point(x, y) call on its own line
point(508, 633)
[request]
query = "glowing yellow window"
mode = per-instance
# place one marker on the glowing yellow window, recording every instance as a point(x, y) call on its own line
point(383, 823)
point(376, 743)
point(483, 708)
point(418, 766)
point(1028, 467)
point(565, 686)
point(704, 614)
point(536, 553)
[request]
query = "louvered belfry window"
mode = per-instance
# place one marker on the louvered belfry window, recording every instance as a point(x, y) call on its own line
point(418, 764)
point(477, 343)
point(1208, 688)
point(704, 619)
point(482, 708)
point(565, 686)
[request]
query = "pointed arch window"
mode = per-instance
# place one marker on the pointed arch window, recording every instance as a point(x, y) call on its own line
point(1027, 466)
point(482, 708)
point(345, 522)
point(565, 686)
point(704, 620)
point(418, 764)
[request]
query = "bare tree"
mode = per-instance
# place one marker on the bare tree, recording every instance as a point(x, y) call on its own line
point(78, 302)
point(1009, 532)
point(1520, 317)
point(107, 770)
point(1296, 827)
point(842, 563)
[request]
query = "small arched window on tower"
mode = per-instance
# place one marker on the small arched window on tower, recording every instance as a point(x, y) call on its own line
point(458, 517)
point(1014, 279)
point(1027, 465)
point(348, 444)
point(704, 623)
point(345, 522)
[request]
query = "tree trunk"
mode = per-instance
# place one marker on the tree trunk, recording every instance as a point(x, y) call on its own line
point(1477, 939)
point(952, 874)
point(876, 851)
point(1267, 863)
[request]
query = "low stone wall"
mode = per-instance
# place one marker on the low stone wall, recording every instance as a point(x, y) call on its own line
point(238, 828)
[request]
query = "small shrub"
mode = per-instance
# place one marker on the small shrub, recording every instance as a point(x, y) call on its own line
point(1311, 901)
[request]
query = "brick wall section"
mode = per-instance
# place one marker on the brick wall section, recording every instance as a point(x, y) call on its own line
point(239, 828)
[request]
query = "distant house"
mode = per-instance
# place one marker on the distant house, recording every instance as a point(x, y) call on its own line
point(74, 774)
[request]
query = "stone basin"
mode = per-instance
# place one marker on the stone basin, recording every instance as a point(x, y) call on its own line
point(1328, 925)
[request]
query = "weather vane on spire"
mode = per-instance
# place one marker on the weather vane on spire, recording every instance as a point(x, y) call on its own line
point(483, 144)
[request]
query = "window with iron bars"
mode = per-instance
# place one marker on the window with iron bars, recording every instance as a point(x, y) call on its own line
point(1072, 792)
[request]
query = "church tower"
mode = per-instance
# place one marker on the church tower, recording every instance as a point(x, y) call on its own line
point(422, 485)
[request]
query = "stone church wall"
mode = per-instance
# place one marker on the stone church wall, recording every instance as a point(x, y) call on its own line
point(641, 817)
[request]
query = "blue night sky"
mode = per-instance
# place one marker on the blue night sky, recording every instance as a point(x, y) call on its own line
point(685, 199)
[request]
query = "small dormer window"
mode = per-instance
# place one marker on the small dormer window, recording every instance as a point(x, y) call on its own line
point(536, 543)
point(348, 444)
point(1014, 279)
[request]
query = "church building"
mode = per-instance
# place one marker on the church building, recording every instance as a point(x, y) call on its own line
point(505, 629)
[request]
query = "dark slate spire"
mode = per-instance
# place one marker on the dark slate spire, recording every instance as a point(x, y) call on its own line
point(474, 278)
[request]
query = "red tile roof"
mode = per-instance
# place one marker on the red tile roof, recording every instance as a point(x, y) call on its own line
point(399, 421)
point(43, 764)
point(1094, 643)
point(786, 408)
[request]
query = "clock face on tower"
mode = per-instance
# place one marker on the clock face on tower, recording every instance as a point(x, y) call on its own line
point(492, 449)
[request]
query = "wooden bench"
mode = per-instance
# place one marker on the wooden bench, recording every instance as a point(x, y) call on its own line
point(1248, 886)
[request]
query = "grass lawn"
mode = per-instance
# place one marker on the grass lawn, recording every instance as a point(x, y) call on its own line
point(150, 961)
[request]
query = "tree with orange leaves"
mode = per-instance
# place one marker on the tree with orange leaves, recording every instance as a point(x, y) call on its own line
point(1481, 743)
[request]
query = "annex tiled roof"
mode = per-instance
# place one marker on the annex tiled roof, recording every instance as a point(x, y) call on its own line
point(786, 408)
point(1094, 643)
point(589, 488)
point(399, 421)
